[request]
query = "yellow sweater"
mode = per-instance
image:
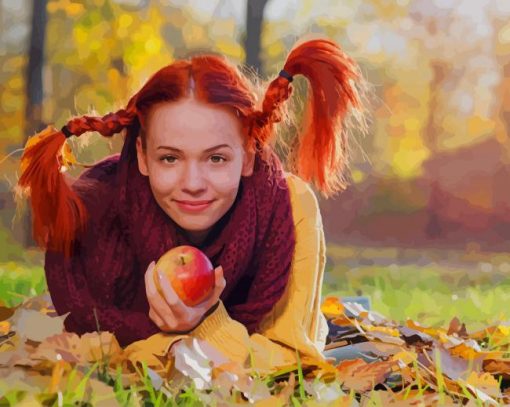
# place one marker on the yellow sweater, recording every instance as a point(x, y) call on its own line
point(295, 323)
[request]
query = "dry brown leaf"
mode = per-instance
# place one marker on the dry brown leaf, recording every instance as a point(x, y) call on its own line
point(89, 348)
point(497, 367)
point(360, 376)
point(458, 328)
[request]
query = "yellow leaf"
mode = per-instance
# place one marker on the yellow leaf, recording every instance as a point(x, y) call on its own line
point(332, 307)
point(382, 329)
point(5, 327)
point(405, 357)
point(436, 333)
point(485, 382)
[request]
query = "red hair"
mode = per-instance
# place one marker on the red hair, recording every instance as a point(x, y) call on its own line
point(334, 78)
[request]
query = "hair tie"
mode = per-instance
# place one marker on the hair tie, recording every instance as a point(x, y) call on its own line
point(286, 75)
point(66, 131)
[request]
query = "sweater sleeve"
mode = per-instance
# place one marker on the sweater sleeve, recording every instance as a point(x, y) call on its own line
point(69, 282)
point(73, 282)
point(294, 323)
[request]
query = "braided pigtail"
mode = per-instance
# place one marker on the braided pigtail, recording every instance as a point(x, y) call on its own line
point(57, 212)
point(336, 89)
point(261, 122)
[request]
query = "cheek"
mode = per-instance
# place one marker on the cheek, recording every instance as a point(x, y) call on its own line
point(226, 180)
point(162, 182)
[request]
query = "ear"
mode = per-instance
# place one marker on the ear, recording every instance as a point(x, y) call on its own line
point(142, 157)
point(248, 163)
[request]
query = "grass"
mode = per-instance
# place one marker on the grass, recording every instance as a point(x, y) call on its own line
point(430, 287)
point(20, 281)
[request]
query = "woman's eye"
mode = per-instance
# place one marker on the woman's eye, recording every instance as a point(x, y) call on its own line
point(167, 158)
point(217, 158)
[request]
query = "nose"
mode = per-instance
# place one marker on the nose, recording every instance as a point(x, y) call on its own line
point(193, 179)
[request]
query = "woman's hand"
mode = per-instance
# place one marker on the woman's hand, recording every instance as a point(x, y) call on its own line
point(169, 313)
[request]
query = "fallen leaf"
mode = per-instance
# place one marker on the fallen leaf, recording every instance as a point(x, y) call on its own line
point(6, 313)
point(195, 358)
point(458, 328)
point(497, 367)
point(288, 389)
point(452, 366)
point(5, 327)
point(433, 332)
point(415, 337)
point(485, 382)
point(360, 376)
point(332, 307)
point(326, 393)
point(498, 335)
point(89, 348)
point(32, 325)
point(405, 357)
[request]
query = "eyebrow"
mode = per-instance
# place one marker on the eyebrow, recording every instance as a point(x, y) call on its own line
point(206, 150)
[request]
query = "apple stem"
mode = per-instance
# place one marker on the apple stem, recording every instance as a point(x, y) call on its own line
point(182, 260)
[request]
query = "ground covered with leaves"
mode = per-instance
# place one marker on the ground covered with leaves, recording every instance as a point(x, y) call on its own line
point(397, 364)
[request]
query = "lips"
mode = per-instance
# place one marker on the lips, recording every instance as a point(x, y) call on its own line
point(194, 202)
point(193, 206)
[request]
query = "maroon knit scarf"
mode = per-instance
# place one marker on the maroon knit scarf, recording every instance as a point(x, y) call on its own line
point(254, 241)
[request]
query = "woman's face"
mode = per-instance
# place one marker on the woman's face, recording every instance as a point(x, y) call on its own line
point(195, 158)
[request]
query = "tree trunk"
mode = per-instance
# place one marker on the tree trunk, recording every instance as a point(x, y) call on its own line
point(254, 20)
point(34, 89)
point(433, 229)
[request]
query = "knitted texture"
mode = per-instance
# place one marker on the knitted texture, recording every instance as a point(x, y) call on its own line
point(253, 242)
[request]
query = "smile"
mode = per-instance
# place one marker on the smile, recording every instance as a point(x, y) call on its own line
point(194, 207)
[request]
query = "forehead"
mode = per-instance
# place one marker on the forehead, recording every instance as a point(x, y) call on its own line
point(188, 124)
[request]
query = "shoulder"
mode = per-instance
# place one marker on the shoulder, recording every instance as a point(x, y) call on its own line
point(303, 199)
point(96, 185)
point(103, 170)
point(99, 176)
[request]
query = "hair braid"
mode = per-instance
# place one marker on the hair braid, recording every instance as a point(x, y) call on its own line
point(58, 213)
point(261, 121)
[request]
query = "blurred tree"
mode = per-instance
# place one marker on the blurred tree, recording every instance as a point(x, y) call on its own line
point(34, 72)
point(34, 88)
point(254, 21)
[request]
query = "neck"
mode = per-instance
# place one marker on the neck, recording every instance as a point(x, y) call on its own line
point(197, 237)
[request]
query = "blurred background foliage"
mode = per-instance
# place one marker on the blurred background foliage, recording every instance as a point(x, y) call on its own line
point(431, 174)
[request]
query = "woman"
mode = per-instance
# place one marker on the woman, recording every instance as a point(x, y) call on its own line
point(197, 168)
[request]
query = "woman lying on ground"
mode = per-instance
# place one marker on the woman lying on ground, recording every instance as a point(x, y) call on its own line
point(198, 168)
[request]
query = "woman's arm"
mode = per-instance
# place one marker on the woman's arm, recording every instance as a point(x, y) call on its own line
point(84, 282)
point(70, 283)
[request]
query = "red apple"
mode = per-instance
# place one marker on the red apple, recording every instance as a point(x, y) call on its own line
point(190, 273)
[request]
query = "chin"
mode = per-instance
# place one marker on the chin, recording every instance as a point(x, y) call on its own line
point(196, 226)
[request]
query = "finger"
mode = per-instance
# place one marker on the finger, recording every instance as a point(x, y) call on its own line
point(159, 321)
point(179, 309)
point(219, 286)
point(153, 315)
point(150, 288)
point(157, 302)
point(219, 281)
